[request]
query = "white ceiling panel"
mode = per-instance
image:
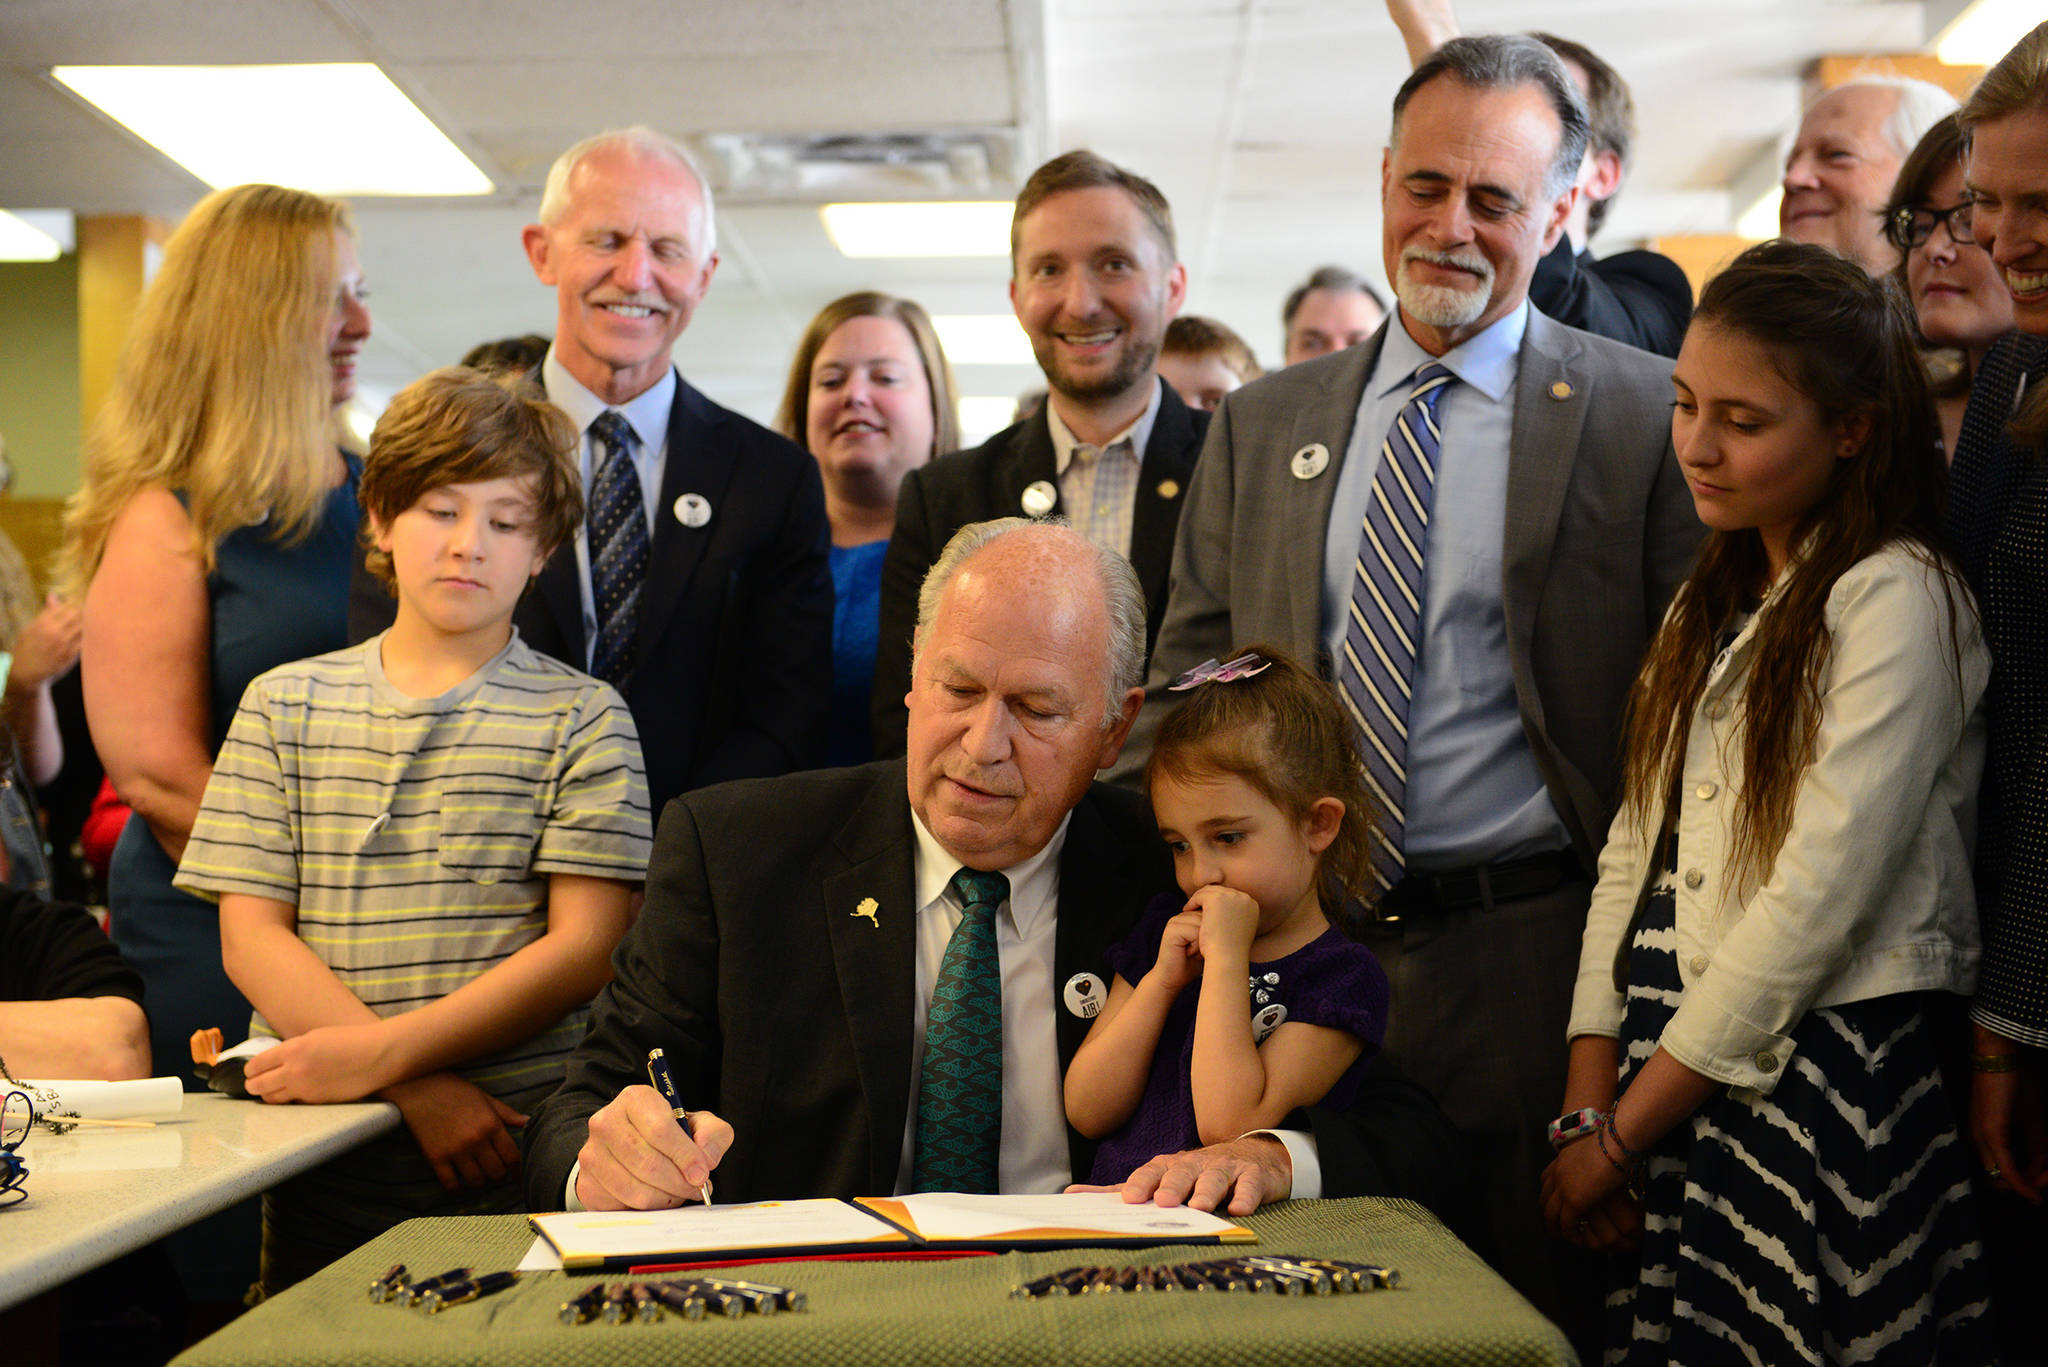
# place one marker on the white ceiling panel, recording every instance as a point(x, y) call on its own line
point(1262, 120)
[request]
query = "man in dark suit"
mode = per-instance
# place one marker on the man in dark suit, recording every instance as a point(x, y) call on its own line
point(1560, 527)
point(796, 929)
point(706, 599)
point(1639, 297)
point(1095, 280)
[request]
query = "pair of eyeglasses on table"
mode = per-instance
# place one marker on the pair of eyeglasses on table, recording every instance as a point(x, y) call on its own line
point(17, 1117)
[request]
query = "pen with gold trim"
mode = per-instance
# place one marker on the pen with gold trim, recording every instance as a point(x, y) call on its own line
point(657, 1074)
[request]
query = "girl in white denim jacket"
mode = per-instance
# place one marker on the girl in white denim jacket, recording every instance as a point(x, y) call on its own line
point(1754, 1114)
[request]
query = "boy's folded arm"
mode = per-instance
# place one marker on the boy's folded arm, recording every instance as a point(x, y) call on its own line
point(335, 1048)
point(276, 970)
point(530, 989)
point(355, 1052)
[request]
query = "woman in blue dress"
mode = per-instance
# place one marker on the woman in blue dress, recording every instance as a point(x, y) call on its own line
point(210, 541)
point(871, 396)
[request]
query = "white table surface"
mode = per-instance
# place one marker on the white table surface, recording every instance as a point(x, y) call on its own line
point(96, 1194)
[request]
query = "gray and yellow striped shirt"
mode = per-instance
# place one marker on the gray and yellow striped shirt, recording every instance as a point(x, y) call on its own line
point(416, 835)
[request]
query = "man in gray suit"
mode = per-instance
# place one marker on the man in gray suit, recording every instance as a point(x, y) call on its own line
point(1554, 526)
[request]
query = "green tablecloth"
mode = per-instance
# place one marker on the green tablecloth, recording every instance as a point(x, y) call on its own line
point(1450, 1309)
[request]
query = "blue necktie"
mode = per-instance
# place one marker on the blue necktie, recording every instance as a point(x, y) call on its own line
point(618, 549)
point(960, 1089)
point(1384, 633)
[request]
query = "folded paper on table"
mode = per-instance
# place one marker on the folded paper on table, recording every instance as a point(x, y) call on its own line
point(620, 1238)
point(144, 1098)
point(821, 1228)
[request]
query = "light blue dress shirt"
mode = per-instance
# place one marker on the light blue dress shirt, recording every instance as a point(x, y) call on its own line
point(1474, 793)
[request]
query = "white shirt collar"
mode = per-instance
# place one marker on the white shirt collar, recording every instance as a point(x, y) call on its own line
point(1034, 883)
point(1138, 433)
point(646, 412)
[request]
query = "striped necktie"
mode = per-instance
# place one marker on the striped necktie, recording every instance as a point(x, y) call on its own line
point(960, 1087)
point(1384, 632)
point(618, 549)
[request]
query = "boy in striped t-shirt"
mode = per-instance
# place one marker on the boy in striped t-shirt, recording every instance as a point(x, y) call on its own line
point(426, 847)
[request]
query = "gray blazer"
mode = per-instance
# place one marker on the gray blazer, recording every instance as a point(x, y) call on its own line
point(1600, 531)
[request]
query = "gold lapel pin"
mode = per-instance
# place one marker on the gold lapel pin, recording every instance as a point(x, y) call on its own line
point(1560, 389)
point(1169, 488)
point(870, 909)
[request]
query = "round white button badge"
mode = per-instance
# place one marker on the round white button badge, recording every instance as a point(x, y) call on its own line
point(693, 510)
point(1267, 1021)
point(1085, 995)
point(1310, 461)
point(1038, 498)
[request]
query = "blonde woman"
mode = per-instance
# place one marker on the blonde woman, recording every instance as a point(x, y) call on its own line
point(871, 397)
point(211, 541)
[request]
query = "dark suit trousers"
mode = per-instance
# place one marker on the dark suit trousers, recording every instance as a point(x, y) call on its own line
point(1480, 1000)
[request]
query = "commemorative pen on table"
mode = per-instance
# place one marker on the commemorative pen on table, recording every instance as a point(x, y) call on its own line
point(657, 1073)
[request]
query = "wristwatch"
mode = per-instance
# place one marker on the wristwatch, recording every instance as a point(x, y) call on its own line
point(1577, 1125)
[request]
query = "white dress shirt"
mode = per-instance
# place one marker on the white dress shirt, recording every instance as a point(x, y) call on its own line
point(1034, 1140)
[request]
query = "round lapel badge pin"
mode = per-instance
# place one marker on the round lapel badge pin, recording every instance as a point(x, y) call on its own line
point(1310, 461)
point(1039, 496)
point(1267, 1021)
point(693, 510)
point(1085, 996)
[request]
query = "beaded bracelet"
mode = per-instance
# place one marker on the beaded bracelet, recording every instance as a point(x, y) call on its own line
point(1631, 1170)
point(1606, 1123)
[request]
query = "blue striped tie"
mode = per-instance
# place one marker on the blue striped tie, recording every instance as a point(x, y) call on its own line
point(618, 549)
point(1384, 633)
point(960, 1087)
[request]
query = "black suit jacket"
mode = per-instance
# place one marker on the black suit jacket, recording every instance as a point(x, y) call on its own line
point(733, 677)
point(1640, 298)
point(791, 1016)
point(989, 481)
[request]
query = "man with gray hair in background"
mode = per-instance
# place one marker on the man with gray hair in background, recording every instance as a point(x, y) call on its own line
point(1473, 523)
point(1844, 158)
point(1334, 308)
point(699, 585)
point(809, 943)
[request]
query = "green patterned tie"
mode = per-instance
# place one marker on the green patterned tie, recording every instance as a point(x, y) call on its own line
point(960, 1093)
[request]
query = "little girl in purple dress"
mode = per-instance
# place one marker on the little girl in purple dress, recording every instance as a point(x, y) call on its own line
point(1258, 791)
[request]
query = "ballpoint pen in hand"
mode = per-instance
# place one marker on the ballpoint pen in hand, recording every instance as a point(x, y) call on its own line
point(657, 1073)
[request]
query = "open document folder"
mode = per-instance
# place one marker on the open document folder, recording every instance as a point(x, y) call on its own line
point(874, 1224)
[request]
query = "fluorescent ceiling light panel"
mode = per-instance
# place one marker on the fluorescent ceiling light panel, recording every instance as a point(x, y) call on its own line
point(335, 128)
point(28, 236)
point(1760, 221)
point(983, 339)
point(953, 228)
point(1986, 31)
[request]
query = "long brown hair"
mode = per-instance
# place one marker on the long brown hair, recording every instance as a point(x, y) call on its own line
point(1845, 342)
point(1284, 733)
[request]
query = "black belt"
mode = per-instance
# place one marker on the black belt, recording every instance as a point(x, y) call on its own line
point(1422, 892)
